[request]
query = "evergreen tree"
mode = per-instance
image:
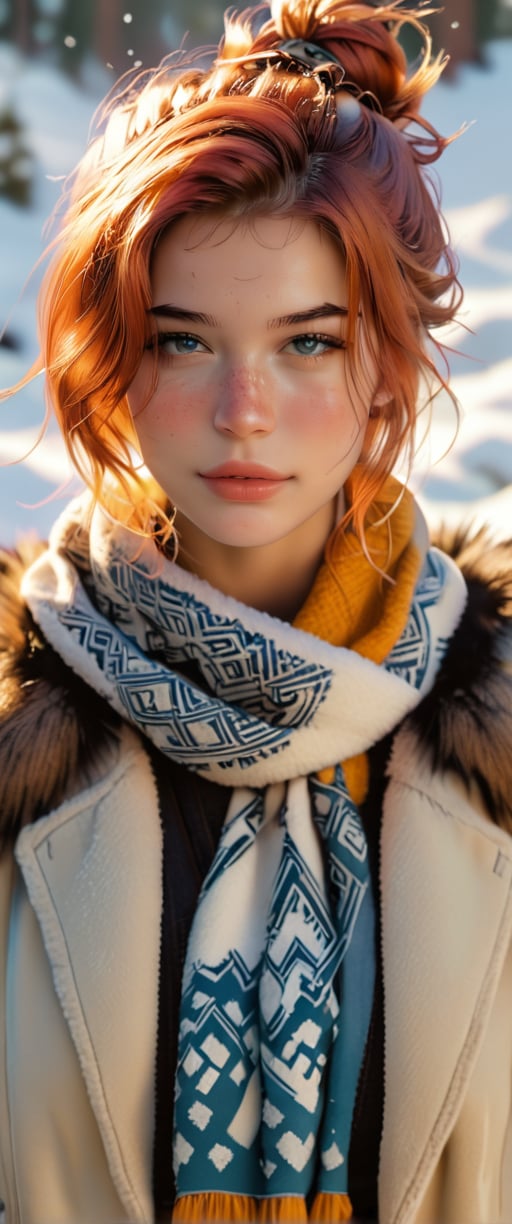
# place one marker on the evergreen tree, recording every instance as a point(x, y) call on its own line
point(16, 163)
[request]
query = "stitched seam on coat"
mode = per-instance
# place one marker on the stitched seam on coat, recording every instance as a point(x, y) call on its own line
point(489, 832)
point(36, 834)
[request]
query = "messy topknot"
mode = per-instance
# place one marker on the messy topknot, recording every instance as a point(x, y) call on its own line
point(363, 37)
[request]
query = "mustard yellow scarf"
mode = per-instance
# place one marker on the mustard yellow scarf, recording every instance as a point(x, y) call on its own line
point(361, 599)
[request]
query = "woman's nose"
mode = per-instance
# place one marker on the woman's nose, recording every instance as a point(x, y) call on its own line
point(244, 404)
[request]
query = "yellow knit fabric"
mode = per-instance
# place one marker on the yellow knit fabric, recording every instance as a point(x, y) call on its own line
point(362, 601)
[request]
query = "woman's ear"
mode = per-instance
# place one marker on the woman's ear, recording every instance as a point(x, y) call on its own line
point(379, 401)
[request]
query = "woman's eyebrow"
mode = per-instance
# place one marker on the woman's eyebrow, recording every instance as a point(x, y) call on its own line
point(326, 310)
point(169, 311)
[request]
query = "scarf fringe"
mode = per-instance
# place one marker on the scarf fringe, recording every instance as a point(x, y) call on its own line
point(275, 1210)
point(198, 1208)
point(225, 1208)
point(331, 1208)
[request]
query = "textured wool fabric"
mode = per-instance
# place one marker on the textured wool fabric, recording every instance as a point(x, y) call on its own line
point(361, 596)
point(278, 980)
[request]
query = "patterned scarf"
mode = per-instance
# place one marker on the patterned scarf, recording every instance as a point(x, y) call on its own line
point(279, 976)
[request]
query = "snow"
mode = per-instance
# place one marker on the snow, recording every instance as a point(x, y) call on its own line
point(473, 481)
point(461, 475)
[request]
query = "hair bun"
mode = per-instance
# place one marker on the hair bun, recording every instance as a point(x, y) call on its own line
point(364, 39)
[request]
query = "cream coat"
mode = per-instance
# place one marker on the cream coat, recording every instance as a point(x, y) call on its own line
point(86, 880)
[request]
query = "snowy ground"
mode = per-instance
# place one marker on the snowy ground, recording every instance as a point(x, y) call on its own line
point(472, 481)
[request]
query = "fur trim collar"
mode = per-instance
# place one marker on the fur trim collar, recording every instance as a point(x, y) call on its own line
point(465, 722)
point(55, 731)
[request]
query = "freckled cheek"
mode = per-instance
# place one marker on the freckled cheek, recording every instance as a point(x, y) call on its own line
point(333, 411)
point(165, 417)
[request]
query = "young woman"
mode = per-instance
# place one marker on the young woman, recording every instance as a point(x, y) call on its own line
point(255, 778)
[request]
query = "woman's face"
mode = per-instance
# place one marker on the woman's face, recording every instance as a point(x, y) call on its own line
point(254, 423)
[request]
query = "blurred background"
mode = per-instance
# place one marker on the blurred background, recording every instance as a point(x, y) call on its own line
point(69, 34)
point(57, 60)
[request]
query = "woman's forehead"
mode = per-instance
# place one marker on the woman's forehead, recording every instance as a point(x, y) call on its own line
point(272, 250)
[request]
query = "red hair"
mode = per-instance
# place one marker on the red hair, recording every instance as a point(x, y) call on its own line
point(248, 136)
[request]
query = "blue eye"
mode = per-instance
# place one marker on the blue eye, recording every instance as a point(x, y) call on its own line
point(175, 344)
point(307, 344)
point(178, 342)
point(313, 345)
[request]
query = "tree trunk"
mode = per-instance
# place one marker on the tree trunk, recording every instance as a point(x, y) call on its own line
point(23, 18)
point(108, 39)
point(455, 30)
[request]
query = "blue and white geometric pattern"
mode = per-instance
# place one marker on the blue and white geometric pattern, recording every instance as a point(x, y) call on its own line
point(191, 723)
point(256, 1038)
point(245, 668)
point(232, 693)
point(411, 656)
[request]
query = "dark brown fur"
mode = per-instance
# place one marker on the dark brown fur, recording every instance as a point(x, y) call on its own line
point(465, 722)
point(54, 729)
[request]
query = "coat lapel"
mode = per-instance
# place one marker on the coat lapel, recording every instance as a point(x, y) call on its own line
point(93, 874)
point(447, 922)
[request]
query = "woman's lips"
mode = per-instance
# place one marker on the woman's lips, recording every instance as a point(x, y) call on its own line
point(244, 481)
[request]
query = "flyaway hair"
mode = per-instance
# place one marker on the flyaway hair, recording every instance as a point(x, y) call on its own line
point(236, 134)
